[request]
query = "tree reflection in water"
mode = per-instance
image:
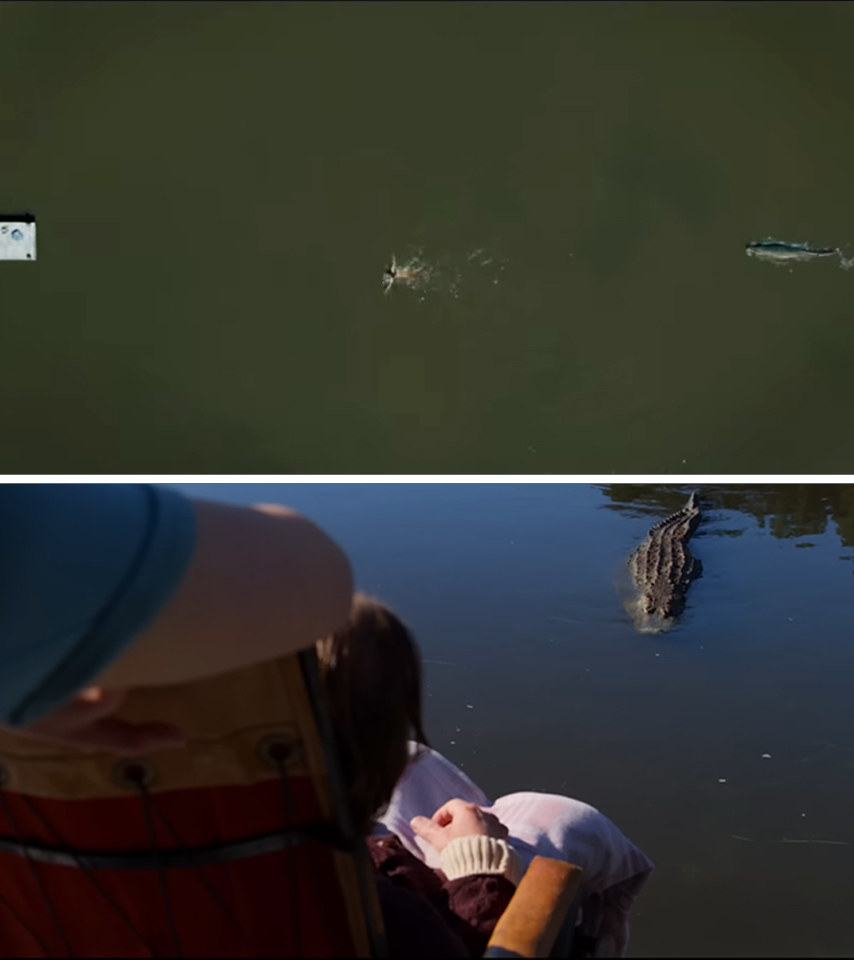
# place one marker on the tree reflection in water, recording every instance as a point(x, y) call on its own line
point(785, 510)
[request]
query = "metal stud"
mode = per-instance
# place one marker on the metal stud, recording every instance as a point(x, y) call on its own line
point(278, 748)
point(133, 773)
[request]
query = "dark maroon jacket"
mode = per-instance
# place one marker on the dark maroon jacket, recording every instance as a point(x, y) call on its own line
point(427, 915)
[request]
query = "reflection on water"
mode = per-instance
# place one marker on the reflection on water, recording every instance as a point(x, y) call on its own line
point(786, 510)
point(723, 748)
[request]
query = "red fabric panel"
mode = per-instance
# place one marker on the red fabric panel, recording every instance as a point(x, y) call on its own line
point(289, 903)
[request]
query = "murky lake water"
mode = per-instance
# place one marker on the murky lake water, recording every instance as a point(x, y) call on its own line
point(219, 187)
point(537, 679)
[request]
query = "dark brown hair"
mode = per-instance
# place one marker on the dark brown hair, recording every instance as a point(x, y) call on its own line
point(371, 671)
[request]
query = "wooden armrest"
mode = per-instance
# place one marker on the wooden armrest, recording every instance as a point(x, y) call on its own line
point(533, 918)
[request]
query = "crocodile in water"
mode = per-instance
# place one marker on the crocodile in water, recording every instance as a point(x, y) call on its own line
point(662, 569)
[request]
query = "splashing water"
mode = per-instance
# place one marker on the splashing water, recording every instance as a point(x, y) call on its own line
point(784, 253)
point(444, 274)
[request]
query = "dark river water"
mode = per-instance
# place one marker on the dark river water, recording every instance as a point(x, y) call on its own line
point(218, 187)
point(538, 680)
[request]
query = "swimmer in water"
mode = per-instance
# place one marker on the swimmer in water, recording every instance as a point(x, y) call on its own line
point(394, 272)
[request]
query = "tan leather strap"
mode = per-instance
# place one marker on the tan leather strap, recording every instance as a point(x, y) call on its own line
point(533, 918)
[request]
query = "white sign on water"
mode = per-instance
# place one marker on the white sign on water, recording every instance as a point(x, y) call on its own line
point(17, 237)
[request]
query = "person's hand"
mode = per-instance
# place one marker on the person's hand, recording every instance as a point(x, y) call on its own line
point(85, 722)
point(457, 818)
